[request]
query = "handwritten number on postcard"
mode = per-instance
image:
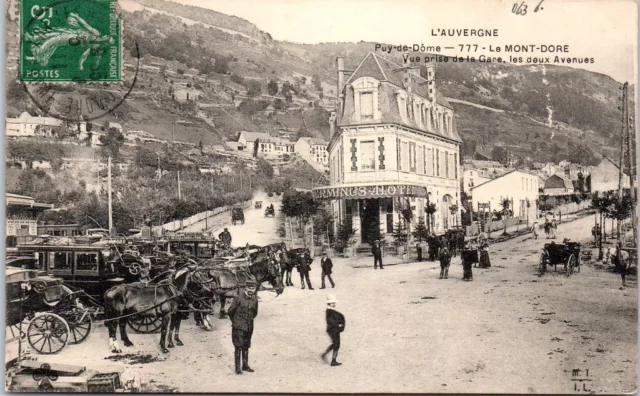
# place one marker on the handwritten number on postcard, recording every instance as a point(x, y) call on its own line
point(521, 8)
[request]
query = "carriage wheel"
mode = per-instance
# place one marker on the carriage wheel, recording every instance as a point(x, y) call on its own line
point(571, 263)
point(48, 333)
point(79, 321)
point(543, 264)
point(145, 324)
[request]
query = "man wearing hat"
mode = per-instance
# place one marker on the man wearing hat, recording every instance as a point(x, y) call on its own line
point(242, 312)
point(377, 255)
point(225, 237)
point(335, 326)
point(327, 265)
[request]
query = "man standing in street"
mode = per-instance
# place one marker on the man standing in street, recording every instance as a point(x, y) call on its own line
point(242, 312)
point(225, 237)
point(304, 266)
point(622, 262)
point(445, 260)
point(377, 255)
point(335, 326)
point(327, 266)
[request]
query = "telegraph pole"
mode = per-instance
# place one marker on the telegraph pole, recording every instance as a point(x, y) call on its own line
point(625, 131)
point(109, 196)
point(632, 177)
point(179, 190)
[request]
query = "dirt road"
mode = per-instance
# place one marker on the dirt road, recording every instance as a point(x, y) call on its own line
point(508, 331)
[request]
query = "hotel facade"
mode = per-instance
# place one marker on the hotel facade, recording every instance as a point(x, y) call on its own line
point(393, 145)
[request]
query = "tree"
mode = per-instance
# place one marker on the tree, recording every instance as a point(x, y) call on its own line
point(299, 205)
point(264, 169)
point(111, 143)
point(580, 184)
point(505, 203)
point(499, 154)
point(222, 64)
point(421, 232)
point(253, 88)
point(344, 235)
point(317, 83)
point(272, 88)
point(430, 210)
point(454, 210)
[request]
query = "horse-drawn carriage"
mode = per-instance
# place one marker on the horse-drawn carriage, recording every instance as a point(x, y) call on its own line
point(258, 205)
point(567, 253)
point(269, 211)
point(88, 269)
point(237, 215)
point(45, 312)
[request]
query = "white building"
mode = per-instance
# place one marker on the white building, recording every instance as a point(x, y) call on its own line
point(472, 178)
point(247, 142)
point(517, 186)
point(313, 149)
point(29, 126)
point(606, 177)
point(395, 146)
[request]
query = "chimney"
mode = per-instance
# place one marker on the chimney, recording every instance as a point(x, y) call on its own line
point(340, 67)
point(406, 65)
point(431, 77)
point(332, 124)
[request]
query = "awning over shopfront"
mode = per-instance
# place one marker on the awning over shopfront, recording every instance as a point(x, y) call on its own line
point(370, 191)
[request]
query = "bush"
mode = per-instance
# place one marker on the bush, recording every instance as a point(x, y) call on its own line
point(344, 236)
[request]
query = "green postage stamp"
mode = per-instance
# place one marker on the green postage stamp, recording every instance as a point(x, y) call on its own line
point(70, 40)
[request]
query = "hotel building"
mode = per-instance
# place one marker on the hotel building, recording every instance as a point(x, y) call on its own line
point(393, 145)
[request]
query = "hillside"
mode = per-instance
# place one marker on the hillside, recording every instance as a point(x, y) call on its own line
point(227, 63)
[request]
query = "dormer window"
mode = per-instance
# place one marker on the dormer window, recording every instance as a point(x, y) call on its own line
point(402, 105)
point(366, 106)
point(365, 95)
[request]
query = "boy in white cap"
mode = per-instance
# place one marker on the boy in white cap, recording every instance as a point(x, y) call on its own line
point(335, 326)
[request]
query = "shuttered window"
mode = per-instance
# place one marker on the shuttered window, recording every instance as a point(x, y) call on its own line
point(366, 106)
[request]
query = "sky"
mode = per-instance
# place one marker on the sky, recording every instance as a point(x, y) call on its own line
point(605, 30)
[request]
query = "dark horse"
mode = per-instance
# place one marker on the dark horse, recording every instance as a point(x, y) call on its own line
point(179, 290)
point(227, 282)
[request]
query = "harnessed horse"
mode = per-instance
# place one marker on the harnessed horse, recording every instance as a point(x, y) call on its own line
point(156, 299)
point(228, 281)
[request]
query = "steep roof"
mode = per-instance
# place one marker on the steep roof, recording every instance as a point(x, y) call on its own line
point(391, 76)
point(383, 69)
point(568, 184)
point(501, 176)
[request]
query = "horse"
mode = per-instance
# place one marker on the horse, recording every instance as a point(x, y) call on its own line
point(179, 290)
point(228, 282)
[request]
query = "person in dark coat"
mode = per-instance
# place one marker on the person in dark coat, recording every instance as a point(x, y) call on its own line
point(327, 266)
point(377, 255)
point(242, 312)
point(335, 326)
point(445, 260)
point(304, 266)
point(225, 237)
point(485, 261)
point(431, 242)
point(467, 262)
point(622, 263)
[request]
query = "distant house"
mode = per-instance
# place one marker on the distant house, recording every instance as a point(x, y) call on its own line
point(605, 177)
point(27, 125)
point(558, 185)
point(247, 141)
point(313, 149)
point(186, 94)
point(472, 178)
point(517, 186)
point(572, 171)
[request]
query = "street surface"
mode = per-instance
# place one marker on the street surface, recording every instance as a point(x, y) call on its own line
point(508, 331)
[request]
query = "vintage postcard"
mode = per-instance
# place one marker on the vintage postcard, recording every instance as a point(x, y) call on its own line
point(216, 196)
